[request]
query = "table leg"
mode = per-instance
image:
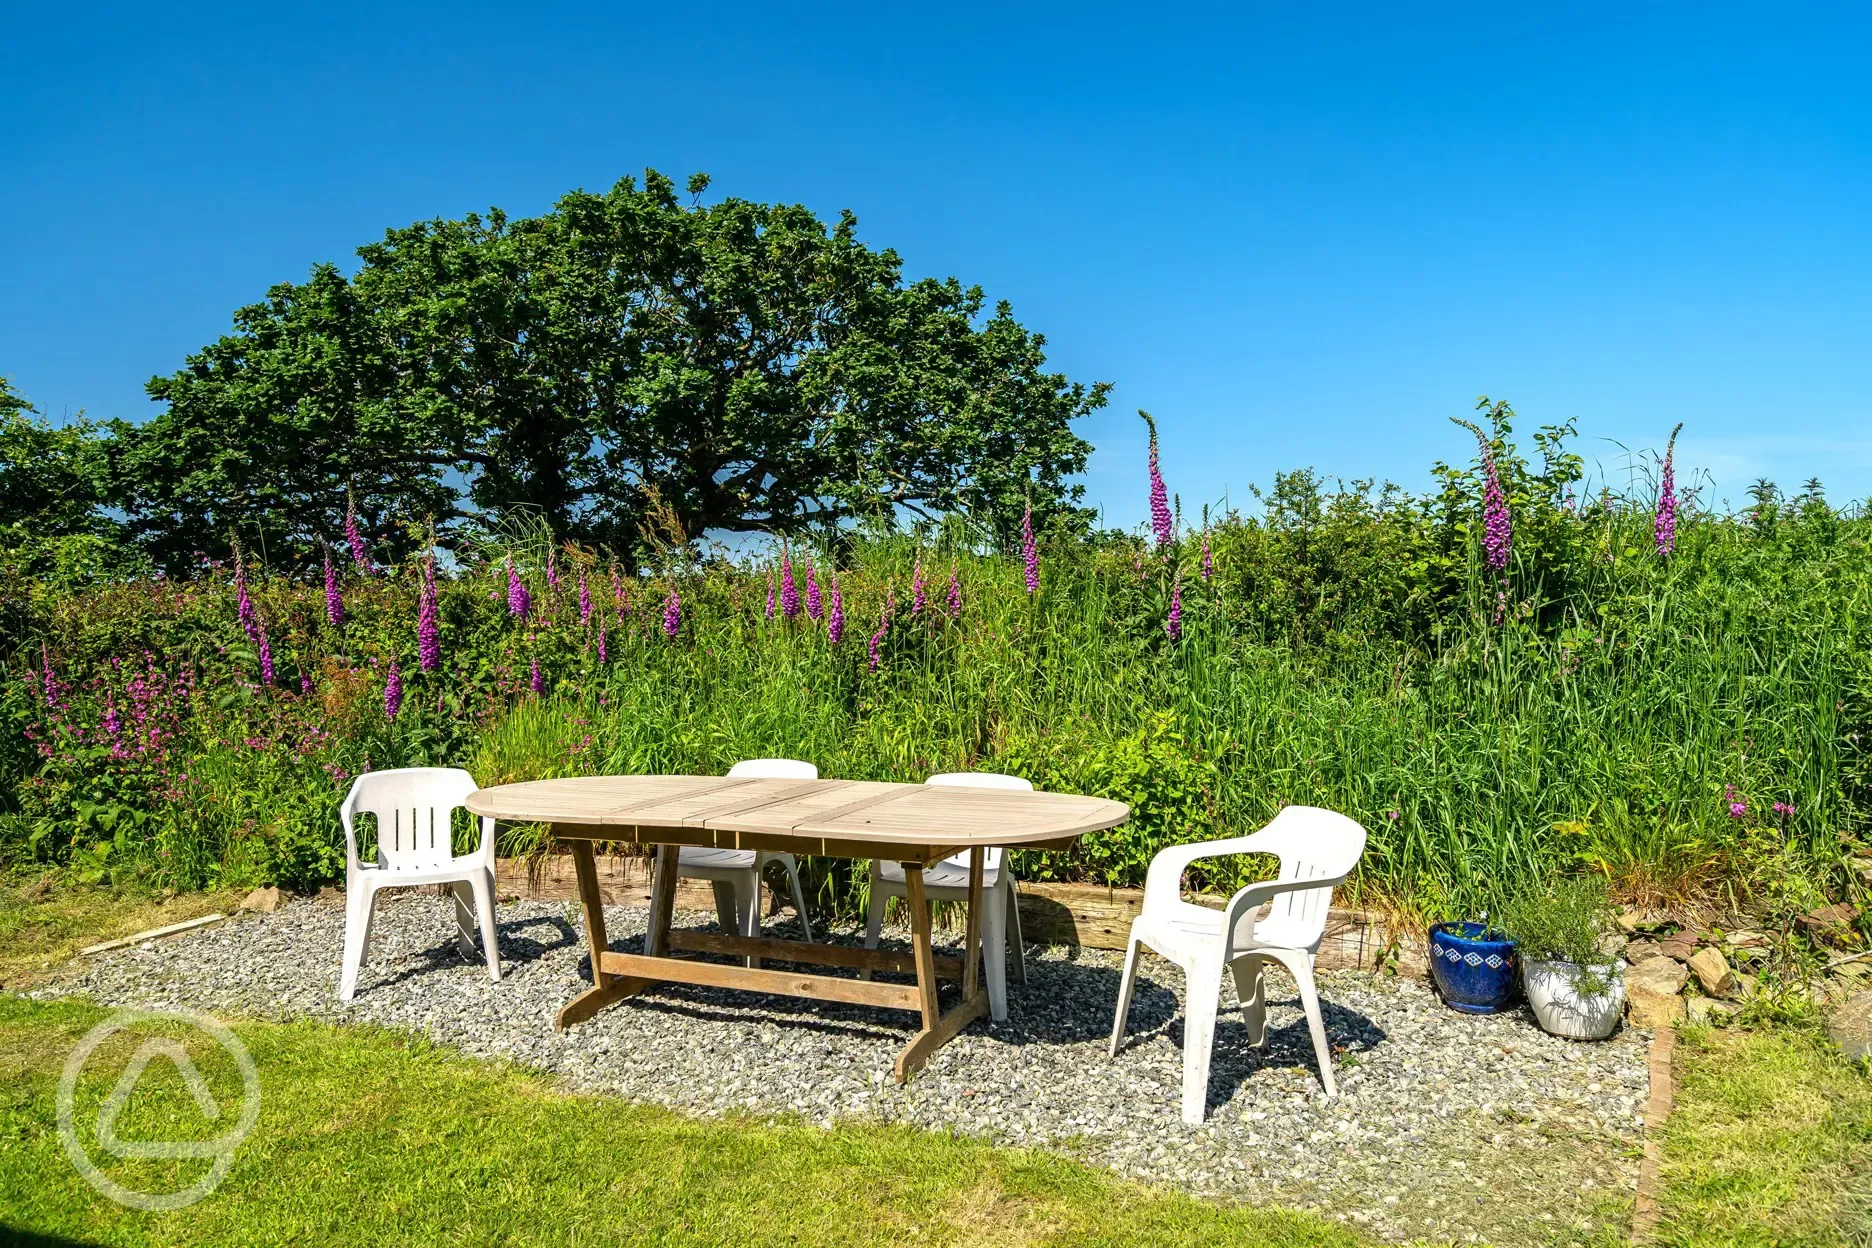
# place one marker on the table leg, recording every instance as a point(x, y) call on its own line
point(971, 939)
point(920, 946)
point(939, 1028)
point(606, 987)
point(662, 901)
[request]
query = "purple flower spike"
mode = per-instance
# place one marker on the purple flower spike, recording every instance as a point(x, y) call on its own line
point(334, 598)
point(872, 647)
point(1162, 523)
point(1497, 527)
point(243, 602)
point(1173, 623)
point(552, 570)
point(49, 679)
point(1208, 562)
point(789, 592)
point(428, 640)
point(954, 602)
point(360, 553)
point(266, 657)
point(672, 613)
point(584, 600)
point(393, 691)
point(535, 678)
point(305, 683)
point(619, 601)
point(603, 656)
point(519, 602)
point(1667, 497)
point(918, 594)
point(815, 608)
point(770, 598)
point(835, 617)
point(1030, 553)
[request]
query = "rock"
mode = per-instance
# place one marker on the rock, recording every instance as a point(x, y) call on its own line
point(1639, 950)
point(1680, 946)
point(262, 901)
point(1746, 940)
point(1710, 1010)
point(331, 895)
point(1837, 915)
point(1651, 989)
point(1851, 1025)
point(1631, 922)
point(1853, 970)
point(1747, 986)
point(1712, 972)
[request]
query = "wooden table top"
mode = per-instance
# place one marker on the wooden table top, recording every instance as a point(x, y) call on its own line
point(833, 818)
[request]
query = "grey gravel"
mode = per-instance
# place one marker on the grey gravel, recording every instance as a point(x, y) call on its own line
point(1448, 1126)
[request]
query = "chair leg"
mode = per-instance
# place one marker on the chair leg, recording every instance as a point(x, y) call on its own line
point(994, 953)
point(1125, 984)
point(1300, 964)
point(1020, 944)
point(747, 908)
point(727, 906)
point(1251, 991)
point(1203, 994)
point(464, 896)
point(483, 885)
point(799, 895)
point(874, 917)
point(359, 901)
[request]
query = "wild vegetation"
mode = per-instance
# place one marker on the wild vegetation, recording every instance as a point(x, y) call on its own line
point(1515, 673)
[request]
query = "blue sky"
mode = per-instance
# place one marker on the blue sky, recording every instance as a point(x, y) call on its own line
point(1296, 236)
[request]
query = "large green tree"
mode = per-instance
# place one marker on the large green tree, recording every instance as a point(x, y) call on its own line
point(755, 368)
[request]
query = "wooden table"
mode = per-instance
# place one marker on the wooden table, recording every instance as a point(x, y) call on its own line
point(914, 824)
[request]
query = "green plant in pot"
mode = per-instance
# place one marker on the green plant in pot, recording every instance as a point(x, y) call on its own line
point(1563, 929)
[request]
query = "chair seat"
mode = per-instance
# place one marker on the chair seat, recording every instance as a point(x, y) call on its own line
point(947, 875)
point(1187, 928)
point(716, 859)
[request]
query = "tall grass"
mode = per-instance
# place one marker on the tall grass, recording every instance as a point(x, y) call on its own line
point(1598, 707)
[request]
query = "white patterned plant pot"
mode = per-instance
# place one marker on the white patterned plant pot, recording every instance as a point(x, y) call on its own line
point(1559, 1006)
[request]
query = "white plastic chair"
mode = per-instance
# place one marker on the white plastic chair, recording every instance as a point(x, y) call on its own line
point(413, 806)
point(736, 873)
point(948, 881)
point(1317, 850)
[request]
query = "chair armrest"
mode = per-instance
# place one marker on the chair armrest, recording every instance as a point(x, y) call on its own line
point(485, 851)
point(1254, 896)
point(347, 815)
point(1166, 869)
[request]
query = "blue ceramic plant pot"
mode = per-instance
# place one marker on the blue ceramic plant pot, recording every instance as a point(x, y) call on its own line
point(1475, 975)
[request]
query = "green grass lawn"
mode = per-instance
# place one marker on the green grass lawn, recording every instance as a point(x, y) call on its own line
point(1770, 1142)
point(371, 1137)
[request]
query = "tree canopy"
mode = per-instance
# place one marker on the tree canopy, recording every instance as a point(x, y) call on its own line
point(756, 369)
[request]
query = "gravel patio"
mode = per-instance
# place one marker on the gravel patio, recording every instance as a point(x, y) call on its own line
point(1449, 1126)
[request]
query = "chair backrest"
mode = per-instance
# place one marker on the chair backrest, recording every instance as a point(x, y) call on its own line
point(413, 806)
point(1312, 844)
point(991, 860)
point(773, 769)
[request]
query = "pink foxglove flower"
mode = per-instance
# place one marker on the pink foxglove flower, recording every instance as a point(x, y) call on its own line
point(243, 602)
point(789, 592)
point(872, 647)
point(835, 616)
point(393, 691)
point(672, 613)
point(954, 597)
point(1497, 525)
point(266, 656)
point(1667, 497)
point(603, 655)
point(1173, 623)
point(1162, 524)
point(815, 607)
point(770, 598)
point(354, 538)
point(552, 570)
point(334, 598)
point(519, 602)
point(619, 602)
point(1208, 562)
point(585, 604)
point(428, 634)
point(535, 678)
point(1030, 553)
